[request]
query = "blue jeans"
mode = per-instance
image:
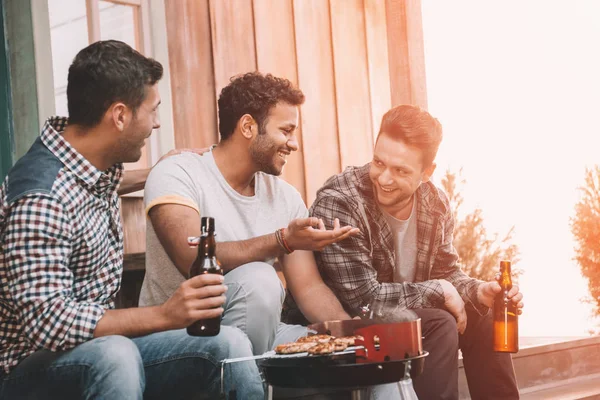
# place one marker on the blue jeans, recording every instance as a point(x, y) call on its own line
point(255, 296)
point(165, 365)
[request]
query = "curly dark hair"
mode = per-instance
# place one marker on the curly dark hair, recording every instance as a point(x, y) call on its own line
point(255, 94)
point(106, 72)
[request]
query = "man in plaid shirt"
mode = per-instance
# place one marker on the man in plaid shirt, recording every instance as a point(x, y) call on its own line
point(403, 258)
point(61, 258)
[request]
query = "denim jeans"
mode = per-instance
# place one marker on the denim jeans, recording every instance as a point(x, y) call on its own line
point(165, 365)
point(255, 296)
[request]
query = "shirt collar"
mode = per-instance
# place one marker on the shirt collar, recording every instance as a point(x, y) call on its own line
point(52, 138)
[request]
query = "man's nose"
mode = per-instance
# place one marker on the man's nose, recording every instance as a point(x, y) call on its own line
point(384, 178)
point(156, 124)
point(292, 143)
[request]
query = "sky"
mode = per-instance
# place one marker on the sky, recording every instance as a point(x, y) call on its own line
point(516, 86)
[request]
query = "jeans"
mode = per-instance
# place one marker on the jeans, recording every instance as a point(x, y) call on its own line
point(165, 365)
point(255, 296)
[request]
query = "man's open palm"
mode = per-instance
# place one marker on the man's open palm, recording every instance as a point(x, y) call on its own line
point(311, 234)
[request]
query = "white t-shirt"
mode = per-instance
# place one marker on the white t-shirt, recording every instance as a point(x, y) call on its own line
point(405, 245)
point(195, 181)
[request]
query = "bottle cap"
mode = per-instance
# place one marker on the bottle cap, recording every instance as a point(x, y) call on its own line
point(504, 264)
point(207, 225)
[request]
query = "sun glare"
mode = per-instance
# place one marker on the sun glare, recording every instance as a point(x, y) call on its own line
point(516, 86)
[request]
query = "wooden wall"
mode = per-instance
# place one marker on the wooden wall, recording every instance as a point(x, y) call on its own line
point(353, 59)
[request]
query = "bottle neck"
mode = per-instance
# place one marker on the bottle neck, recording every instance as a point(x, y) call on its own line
point(207, 246)
point(505, 278)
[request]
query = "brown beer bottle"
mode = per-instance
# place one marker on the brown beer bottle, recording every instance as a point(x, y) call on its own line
point(206, 263)
point(506, 323)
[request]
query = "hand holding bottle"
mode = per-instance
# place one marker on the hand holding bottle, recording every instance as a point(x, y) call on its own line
point(198, 298)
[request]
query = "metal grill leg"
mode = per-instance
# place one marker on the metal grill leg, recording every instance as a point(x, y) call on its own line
point(269, 392)
point(358, 394)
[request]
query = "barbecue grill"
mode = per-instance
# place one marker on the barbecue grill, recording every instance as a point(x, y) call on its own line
point(391, 351)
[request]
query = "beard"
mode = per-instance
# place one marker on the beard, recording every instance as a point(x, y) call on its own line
point(129, 149)
point(264, 153)
point(398, 198)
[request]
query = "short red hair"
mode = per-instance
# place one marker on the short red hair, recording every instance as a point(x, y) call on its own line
point(415, 127)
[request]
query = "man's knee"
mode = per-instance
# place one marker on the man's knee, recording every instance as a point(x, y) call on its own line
point(259, 283)
point(116, 355)
point(231, 342)
point(437, 325)
point(115, 368)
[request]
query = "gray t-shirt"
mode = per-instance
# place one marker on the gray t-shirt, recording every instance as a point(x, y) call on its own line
point(405, 244)
point(195, 181)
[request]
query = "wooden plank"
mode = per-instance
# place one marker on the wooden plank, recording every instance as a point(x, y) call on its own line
point(93, 20)
point(377, 60)
point(141, 46)
point(6, 124)
point(232, 28)
point(276, 54)
point(153, 11)
point(22, 69)
point(134, 224)
point(315, 77)
point(192, 77)
point(134, 262)
point(138, 31)
point(351, 81)
point(126, 2)
point(406, 52)
point(144, 28)
point(43, 51)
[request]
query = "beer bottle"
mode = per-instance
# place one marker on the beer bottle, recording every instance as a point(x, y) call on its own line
point(506, 324)
point(206, 263)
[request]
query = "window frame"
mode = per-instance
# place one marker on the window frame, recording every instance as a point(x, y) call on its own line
point(151, 40)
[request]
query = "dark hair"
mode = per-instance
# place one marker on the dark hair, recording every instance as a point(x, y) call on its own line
point(106, 72)
point(254, 94)
point(415, 127)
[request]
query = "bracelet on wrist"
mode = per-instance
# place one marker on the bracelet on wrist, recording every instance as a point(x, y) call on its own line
point(280, 235)
point(279, 241)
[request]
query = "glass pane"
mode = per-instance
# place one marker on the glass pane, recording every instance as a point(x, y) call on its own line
point(117, 22)
point(68, 35)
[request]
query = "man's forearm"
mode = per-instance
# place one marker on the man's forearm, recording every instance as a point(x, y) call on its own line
point(467, 287)
point(234, 254)
point(132, 322)
point(133, 181)
point(319, 304)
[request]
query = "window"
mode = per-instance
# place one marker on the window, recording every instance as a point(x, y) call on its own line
point(74, 24)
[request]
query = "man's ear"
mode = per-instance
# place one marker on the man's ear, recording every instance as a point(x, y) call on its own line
point(427, 172)
point(247, 126)
point(119, 116)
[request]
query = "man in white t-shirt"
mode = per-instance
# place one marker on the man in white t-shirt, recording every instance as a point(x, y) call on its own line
point(259, 217)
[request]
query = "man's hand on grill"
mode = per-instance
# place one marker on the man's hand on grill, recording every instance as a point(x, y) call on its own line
point(454, 304)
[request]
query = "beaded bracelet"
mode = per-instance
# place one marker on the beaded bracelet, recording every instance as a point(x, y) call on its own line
point(280, 235)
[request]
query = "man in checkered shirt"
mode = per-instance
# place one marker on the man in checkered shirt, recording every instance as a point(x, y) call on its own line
point(403, 258)
point(61, 258)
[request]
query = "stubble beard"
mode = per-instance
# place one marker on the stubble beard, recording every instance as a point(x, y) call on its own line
point(263, 155)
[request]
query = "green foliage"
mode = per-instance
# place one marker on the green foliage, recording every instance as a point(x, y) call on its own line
point(479, 253)
point(585, 226)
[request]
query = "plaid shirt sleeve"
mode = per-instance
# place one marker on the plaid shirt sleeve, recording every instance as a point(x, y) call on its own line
point(347, 266)
point(37, 246)
point(446, 266)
